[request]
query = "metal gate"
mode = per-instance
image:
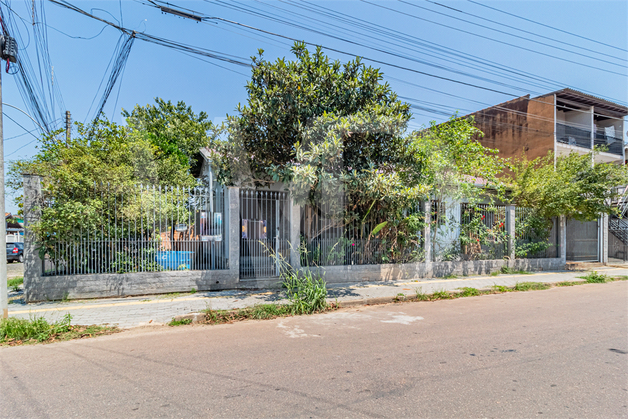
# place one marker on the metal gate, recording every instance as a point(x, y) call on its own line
point(618, 239)
point(582, 241)
point(264, 233)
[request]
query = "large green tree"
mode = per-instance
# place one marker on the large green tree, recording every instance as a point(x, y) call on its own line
point(284, 97)
point(175, 130)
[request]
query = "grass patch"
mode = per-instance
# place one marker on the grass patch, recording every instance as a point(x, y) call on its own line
point(451, 276)
point(421, 296)
point(531, 286)
point(595, 278)
point(14, 331)
point(567, 283)
point(621, 278)
point(15, 283)
point(181, 322)
point(171, 295)
point(442, 295)
point(469, 292)
point(500, 288)
point(511, 271)
point(193, 291)
point(257, 312)
point(496, 273)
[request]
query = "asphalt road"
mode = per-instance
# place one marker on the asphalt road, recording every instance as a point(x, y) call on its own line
point(556, 353)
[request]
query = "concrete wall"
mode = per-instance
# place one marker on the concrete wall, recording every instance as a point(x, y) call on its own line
point(518, 126)
point(412, 271)
point(46, 288)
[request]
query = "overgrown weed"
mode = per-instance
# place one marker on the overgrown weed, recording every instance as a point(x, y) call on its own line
point(531, 286)
point(596, 278)
point(14, 331)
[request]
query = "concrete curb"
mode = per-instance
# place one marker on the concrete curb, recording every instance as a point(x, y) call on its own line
point(200, 317)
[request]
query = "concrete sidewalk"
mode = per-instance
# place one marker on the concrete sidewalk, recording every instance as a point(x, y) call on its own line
point(160, 309)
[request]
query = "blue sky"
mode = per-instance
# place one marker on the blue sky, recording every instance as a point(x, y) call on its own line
point(154, 71)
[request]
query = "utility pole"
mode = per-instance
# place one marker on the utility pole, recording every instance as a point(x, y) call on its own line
point(68, 127)
point(8, 52)
point(4, 297)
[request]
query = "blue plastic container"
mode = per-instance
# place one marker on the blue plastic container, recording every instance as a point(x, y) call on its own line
point(174, 260)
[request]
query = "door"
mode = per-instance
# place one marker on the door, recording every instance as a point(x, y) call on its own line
point(264, 233)
point(582, 241)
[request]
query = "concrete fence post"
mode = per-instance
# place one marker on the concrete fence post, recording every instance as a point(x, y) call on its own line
point(33, 264)
point(295, 235)
point(234, 232)
point(511, 220)
point(427, 233)
point(562, 242)
point(604, 239)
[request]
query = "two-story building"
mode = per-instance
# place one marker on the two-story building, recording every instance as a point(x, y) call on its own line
point(565, 121)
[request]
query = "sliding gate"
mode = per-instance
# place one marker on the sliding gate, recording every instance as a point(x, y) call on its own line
point(264, 233)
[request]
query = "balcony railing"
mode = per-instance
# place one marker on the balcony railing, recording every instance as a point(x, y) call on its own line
point(567, 134)
point(613, 145)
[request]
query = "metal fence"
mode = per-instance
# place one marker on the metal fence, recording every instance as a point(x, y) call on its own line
point(265, 233)
point(330, 238)
point(141, 229)
point(484, 230)
point(530, 236)
point(618, 239)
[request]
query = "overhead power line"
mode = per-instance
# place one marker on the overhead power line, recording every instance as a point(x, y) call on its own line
point(205, 18)
point(411, 42)
point(547, 26)
point(493, 39)
point(518, 29)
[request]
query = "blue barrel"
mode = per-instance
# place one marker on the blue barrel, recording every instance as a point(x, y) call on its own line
point(174, 260)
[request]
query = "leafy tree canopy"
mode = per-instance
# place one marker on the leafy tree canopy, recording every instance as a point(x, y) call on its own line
point(176, 131)
point(574, 186)
point(284, 97)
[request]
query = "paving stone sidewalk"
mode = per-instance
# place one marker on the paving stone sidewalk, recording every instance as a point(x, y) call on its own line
point(160, 309)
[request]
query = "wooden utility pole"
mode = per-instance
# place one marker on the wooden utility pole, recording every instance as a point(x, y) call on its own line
point(4, 296)
point(68, 127)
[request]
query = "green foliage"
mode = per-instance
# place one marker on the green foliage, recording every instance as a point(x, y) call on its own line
point(286, 96)
point(513, 271)
point(15, 283)
point(307, 294)
point(596, 278)
point(442, 295)
point(181, 322)
point(500, 288)
point(176, 132)
point(469, 292)
point(421, 296)
point(529, 286)
point(257, 312)
point(37, 328)
point(575, 188)
point(86, 180)
point(475, 232)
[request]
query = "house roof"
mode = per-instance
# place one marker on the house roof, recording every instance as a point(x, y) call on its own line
point(587, 99)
